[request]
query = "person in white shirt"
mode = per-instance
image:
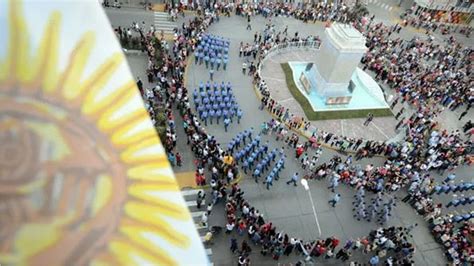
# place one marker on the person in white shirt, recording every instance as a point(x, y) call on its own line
point(204, 219)
point(229, 227)
point(209, 208)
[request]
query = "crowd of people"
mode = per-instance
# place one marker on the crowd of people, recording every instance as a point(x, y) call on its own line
point(170, 90)
point(320, 11)
point(391, 244)
point(416, 18)
point(424, 73)
point(449, 227)
point(425, 147)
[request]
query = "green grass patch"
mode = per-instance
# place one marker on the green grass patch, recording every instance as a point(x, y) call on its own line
point(325, 115)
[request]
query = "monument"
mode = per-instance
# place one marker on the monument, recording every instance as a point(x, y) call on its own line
point(341, 50)
point(334, 82)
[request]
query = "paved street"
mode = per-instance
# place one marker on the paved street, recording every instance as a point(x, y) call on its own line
point(125, 16)
point(286, 206)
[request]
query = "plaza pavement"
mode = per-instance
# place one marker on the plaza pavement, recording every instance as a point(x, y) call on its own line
point(286, 206)
point(381, 128)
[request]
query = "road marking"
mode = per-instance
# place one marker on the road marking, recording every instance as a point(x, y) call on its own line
point(282, 101)
point(380, 130)
point(196, 214)
point(276, 79)
point(191, 203)
point(314, 212)
point(189, 192)
point(390, 8)
point(342, 127)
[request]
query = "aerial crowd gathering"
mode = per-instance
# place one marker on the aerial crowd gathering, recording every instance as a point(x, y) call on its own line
point(429, 76)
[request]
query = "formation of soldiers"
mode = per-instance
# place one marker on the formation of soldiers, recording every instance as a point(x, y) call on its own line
point(213, 51)
point(213, 101)
point(379, 208)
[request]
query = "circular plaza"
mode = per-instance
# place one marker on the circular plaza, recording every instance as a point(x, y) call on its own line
point(286, 188)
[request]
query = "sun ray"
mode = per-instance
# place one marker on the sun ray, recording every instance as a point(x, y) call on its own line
point(149, 219)
point(147, 151)
point(97, 80)
point(157, 172)
point(104, 185)
point(47, 63)
point(168, 187)
point(129, 107)
point(155, 208)
point(71, 76)
point(18, 45)
point(133, 133)
point(128, 254)
point(148, 194)
point(93, 105)
point(137, 235)
point(104, 258)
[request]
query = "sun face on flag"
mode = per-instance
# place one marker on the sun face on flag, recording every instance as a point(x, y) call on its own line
point(83, 176)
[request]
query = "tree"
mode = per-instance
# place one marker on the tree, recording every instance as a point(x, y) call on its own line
point(160, 126)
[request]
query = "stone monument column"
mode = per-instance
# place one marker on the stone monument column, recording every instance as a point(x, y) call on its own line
point(341, 50)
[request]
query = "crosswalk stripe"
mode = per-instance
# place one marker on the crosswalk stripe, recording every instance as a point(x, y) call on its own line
point(164, 21)
point(390, 8)
point(161, 26)
point(196, 214)
point(189, 192)
point(191, 203)
point(199, 226)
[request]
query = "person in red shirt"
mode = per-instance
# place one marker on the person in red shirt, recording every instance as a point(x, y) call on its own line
point(321, 250)
point(200, 179)
point(334, 242)
point(179, 159)
point(299, 152)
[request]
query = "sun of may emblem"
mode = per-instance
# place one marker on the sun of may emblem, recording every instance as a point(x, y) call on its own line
point(83, 176)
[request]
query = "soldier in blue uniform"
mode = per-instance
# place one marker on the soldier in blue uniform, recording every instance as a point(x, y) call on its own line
point(239, 115)
point(212, 114)
point(206, 61)
point(196, 57)
point(226, 123)
point(218, 115)
point(204, 117)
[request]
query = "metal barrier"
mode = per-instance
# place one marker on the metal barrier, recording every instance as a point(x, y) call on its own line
point(288, 46)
